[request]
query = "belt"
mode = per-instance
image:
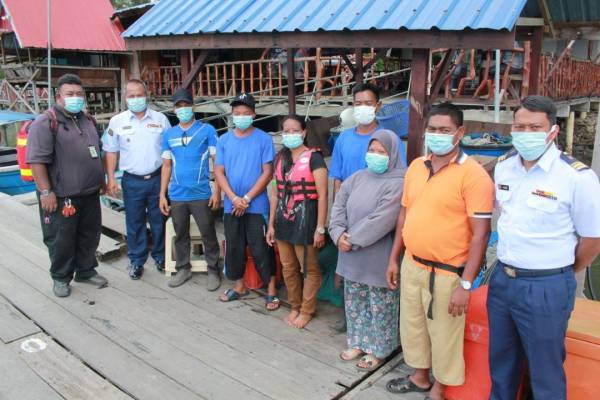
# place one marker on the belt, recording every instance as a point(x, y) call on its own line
point(144, 177)
point(436, 265)
point(514, 272)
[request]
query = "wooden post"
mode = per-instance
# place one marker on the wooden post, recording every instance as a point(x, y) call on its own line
point(291, 81)
point(570, 132)
point(358, 76)
point(184, 61)
point(135, 65)
point(418, 101)
point(190, 77)
point(536, 56)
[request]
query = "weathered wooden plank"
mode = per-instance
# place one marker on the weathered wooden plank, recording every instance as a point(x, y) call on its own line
point(13, 324)
point(19, 382)
point(108, 247)
point(128, 372)
point(67, 375)
point(114, 220)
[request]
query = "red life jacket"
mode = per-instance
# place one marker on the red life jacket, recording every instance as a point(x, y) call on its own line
point(298, 184)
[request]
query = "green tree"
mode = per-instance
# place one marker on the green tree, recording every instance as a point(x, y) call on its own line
point(118, 4)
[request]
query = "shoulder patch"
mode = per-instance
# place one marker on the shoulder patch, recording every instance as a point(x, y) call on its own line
point(508, 155)
point(573, 162)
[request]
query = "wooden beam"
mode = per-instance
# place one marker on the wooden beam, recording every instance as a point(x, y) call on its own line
point(439, 75)
point(349, 63)
point(418, 101)
point(184, 61)
point(489, 39)
point(135, 65)
point(291, 81)
point(536, 59)
point(526, 21)
point(359, 76)
point(564, 53)
point(193, 73)
point(547, 16)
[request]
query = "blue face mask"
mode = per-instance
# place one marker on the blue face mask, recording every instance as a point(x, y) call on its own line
point(136, 104)
point(439, 143)
point(530, 145)
point(377, 163)
point(292, 140)
point(74, 104)
point(184, 114)
point(242, 122)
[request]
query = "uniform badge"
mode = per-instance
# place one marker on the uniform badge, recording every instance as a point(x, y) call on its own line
point(503, 187)
point(154, 126)
point(127, 127)
point(110, 132)
point(544, 193)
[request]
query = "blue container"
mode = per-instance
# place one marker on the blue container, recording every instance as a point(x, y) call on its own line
point(503, 145)
point(394, 116)
point(11, 182)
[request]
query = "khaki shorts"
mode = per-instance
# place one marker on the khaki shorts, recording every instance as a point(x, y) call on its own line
point(426, 343)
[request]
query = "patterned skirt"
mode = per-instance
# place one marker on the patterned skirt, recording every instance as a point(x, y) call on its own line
point(372, 318)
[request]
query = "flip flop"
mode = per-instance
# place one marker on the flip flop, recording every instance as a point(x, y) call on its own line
point(233, 295)
point(358, 353)
point(369, 359)
point(405, 385)
point(271, 299)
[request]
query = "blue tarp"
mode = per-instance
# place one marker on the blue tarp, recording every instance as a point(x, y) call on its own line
point(10, 117)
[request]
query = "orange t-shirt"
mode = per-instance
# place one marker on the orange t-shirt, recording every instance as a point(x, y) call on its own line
point(438, 208)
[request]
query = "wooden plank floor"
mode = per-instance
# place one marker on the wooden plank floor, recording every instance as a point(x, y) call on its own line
point(144, 340)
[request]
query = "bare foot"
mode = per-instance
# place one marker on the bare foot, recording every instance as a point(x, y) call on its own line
point(291, 317)
point(351, 354)
point(301, 321)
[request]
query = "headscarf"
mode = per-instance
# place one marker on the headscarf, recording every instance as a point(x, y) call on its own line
point(389, 140)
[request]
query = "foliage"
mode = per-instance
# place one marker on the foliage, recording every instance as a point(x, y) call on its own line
point(118, 4)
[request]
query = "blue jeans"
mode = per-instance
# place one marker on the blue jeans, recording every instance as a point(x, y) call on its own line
point(141, 199)
point(528, 321)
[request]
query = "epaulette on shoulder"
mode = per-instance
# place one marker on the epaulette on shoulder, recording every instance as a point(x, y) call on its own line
point(507, 155)
point(573, 162)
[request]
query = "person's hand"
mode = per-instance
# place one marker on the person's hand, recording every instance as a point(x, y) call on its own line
point(112, 188)
point(239, 203)
point(338, 281)
point(238, 212)
point(343, 243)
point(459, 302)
point(49, 202)
point(318, 240)
point(163, 204)
point(214, 202)
point(391, 274)
point(270, 236)
point(103, 189)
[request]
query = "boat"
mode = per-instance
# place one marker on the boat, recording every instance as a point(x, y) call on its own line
point(10, 176)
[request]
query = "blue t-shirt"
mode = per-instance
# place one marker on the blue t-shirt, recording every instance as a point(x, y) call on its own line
point(243, 159)
point(190, 152)
point(349, 154)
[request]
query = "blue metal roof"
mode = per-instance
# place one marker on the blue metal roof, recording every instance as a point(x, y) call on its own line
point(184, 17)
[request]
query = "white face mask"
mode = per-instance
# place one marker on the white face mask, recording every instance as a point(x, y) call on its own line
point(364, 115)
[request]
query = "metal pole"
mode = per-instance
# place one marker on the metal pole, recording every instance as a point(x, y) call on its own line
point(49, 4)
point(497, 88)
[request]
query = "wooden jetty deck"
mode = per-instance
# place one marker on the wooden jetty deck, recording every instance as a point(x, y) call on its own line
point(143, 340)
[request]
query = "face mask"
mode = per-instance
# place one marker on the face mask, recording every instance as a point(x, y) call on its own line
point(364, 115)
point(530, 145)
point(242, 122)
point(184, 114)
point(439, 143)
point(292, 140)
point(74, 104)
point(377, 163)
point(136, 104)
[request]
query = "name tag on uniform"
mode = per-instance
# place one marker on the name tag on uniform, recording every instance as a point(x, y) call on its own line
point(545, 194)
point(127, 130)
point(93, 151)
point(154, 126)
point(503, 187)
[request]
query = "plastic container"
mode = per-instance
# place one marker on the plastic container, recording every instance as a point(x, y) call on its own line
point(492, 150)
point(582, 364)
point(394, 116)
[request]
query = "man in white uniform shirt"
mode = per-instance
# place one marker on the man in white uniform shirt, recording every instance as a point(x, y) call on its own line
point(135, 138)
point(549, 228)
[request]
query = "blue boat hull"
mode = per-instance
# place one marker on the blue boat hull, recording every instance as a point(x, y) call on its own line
point(11, 182)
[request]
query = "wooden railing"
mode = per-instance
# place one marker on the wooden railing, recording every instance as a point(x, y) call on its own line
point(569, 78)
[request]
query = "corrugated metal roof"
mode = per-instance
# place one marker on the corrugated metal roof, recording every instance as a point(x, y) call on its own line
point(76, 24)
point(180, 17)
point(574, 10)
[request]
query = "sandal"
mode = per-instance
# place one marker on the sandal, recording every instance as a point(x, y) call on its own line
point(233, 295)
point(370, 360)
point(272, 299)
point(351, 354)
point(405, 385)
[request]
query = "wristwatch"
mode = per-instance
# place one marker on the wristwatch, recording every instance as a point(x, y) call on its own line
point(247, 198)
point(465, 284)
point(320, 230)
point(45, 192)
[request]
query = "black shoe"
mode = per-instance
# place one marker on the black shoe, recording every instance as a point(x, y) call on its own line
point(61, 289)
point(135, 271)
point(97, 280)
point(160, 266)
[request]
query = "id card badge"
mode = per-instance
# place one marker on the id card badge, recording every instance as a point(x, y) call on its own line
point(93, 151)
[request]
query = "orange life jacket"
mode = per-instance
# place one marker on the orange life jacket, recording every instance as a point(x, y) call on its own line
point(297, 185)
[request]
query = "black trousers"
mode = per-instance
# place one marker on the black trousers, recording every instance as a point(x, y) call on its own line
point(72, 242)
point(180, 213)
point(247, 230)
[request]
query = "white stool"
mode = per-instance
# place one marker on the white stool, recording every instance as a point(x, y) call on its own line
point(195, 238)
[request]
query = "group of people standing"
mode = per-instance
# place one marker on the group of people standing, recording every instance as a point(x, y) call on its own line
point(411, 240)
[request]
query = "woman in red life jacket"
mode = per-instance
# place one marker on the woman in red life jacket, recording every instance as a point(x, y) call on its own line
point(297, 218)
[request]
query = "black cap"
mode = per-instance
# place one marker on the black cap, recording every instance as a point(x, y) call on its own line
point(182, 95)
point(245, 99)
